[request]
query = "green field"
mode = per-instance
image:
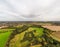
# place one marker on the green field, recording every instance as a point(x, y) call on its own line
point(39, 31)
point(27, 36)
point(4, 35)
point(17, 43)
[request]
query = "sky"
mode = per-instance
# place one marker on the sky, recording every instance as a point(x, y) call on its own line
point(29, 10)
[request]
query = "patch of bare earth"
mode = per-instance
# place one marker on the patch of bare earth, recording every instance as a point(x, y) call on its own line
point(52, 27)
point(57, 34)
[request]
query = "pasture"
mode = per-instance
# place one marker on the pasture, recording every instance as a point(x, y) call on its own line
point(27, 36)
point(4, 36)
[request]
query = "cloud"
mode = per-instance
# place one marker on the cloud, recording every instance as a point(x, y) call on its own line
point(30, 10)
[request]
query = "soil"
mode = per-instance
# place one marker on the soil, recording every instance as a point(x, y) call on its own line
point(52, 27)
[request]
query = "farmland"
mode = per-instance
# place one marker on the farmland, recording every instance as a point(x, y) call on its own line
point(32, 36)
point(4, 35)
point(20, 37)
point(28, 35)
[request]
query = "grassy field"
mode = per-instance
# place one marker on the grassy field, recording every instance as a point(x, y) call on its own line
point(15, 42)
point(4, 35)
point(34, 36)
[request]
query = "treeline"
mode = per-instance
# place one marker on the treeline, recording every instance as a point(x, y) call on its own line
point(56, 23)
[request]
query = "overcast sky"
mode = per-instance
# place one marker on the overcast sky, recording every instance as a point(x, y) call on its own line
point(29, 10)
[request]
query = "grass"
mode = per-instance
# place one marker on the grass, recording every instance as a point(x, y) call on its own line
point(17, 40)
point(4, 36)
point(17, 43)
point(39, 31)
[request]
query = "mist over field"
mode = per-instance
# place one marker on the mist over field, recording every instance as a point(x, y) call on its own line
point(29, 10)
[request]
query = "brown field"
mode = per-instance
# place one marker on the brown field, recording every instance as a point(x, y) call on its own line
point(56, 34)
point(52, 27)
